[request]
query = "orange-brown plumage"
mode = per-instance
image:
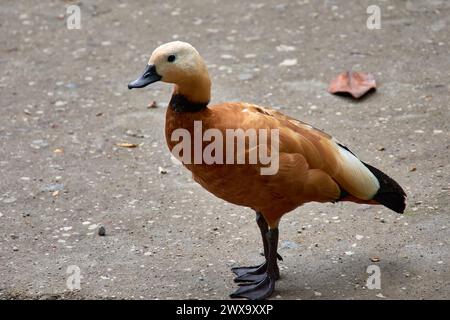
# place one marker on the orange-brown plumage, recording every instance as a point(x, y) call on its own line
point(312, 165)
point(309, 161)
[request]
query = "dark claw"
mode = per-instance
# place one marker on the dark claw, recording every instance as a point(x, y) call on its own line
point(256, 291)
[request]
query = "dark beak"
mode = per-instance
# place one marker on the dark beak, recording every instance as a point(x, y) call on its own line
point(148, 76)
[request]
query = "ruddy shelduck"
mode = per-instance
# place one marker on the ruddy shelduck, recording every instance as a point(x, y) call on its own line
point(312, 165)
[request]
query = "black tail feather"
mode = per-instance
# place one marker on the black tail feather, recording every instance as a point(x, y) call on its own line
point(390, 193)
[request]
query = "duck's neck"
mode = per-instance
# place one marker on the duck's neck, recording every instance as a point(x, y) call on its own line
point(192, 95)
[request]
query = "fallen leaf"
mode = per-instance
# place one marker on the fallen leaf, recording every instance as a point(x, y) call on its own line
point(127, 145)
point(58, 150)
point(380, 148)
point(412, 169)
point(55, 193)
point(356, 84)
point(375, 259)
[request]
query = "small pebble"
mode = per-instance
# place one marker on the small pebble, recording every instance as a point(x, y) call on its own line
point(288, 63)
point(161, 170)
point(60, 103)
point(226, 56)
point(152, 105)
point(101, 231)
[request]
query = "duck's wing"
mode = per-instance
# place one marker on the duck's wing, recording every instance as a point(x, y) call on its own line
point(325, 157)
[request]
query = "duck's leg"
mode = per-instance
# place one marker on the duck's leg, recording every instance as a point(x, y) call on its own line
point(265, 287)
point(256, 273)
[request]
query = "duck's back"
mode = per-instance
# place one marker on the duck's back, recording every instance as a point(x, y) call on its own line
point(319, 149)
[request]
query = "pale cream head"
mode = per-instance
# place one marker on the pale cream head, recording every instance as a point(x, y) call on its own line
point(178, 62)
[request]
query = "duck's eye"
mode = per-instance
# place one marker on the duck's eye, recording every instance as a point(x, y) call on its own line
point(171, 58)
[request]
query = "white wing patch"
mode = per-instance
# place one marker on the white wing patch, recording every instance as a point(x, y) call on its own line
point(358, 179)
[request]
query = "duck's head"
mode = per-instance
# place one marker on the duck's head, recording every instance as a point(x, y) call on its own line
point(178, 63)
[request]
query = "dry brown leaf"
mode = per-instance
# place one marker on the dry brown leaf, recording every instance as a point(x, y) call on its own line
point(55, 193)
point(356, 84)
point(412, 169)
point(58, 150)
point(127, 145)
point(374, 259)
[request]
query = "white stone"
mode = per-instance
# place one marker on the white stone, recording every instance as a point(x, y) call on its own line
point(285, 48)
point(288, 62)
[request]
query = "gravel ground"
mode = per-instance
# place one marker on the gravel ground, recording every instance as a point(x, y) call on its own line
point(65, 106)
